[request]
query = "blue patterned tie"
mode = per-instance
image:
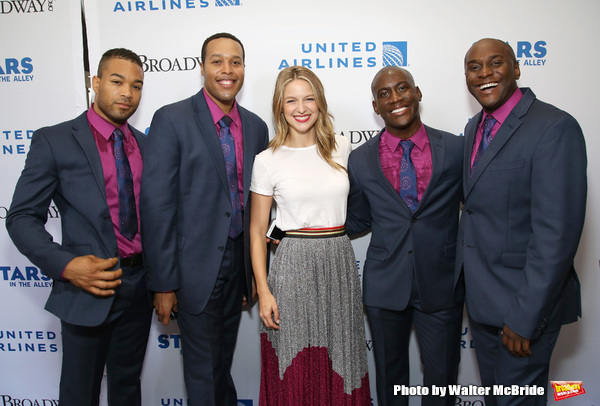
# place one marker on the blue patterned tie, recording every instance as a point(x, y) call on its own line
point(228, 147)
point(408, 176)
point(486, 138)
point(128, 224)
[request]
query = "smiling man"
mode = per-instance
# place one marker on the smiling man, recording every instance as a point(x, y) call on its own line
point(524, 185)
point(99, 287)
point(405, 187)
point(195, 218)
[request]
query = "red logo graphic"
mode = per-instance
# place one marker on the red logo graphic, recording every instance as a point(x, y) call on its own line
point(567, 389)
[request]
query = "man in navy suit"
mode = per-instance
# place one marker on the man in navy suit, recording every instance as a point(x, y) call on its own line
point(409, 271)
point(99, 289)
point(524, 185)
point(195, 232)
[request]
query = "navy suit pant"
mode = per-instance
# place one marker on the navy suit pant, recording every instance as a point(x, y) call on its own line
point(208, 338)
point(119, 344)
point(497, 366)
point(438, 334)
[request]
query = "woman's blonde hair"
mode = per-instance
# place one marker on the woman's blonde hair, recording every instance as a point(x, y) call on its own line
point(323, 126)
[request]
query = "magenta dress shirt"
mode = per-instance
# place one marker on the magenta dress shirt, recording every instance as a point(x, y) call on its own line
point(500, 116)
point(390, 156)
point(102, 131)
point(238, 139)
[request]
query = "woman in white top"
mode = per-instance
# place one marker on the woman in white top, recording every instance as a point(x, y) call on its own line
point(312, 338)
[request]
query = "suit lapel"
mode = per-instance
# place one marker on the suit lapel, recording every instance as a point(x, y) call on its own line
point(250, 150)
point(470, 132)
point(505, 132)
point(438, 155)
point(139, 137)
point(85, 138)
point(209, 133)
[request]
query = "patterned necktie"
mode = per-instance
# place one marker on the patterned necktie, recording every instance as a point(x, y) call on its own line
point(408, 176)
point(128, 224)
point(228, 147)
point(486, 138)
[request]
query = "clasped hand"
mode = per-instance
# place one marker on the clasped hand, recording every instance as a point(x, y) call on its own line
point(514, 343)
point(90, 273)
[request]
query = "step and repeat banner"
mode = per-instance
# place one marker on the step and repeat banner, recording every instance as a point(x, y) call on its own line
point(345, 43)
point(42, 82)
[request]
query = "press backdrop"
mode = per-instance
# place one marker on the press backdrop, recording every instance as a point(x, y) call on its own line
point(43, 82)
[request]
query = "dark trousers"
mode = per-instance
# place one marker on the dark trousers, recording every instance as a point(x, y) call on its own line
point(119, 344)
point(497, 366)
point(438, 335)
point(208, 338)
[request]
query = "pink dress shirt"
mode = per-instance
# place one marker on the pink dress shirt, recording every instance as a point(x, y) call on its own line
point(102, 131)
point(500, 116)
point(390, 156)
point(238, 139)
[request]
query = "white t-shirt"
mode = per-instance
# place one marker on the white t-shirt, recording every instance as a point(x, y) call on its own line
point(308, 191)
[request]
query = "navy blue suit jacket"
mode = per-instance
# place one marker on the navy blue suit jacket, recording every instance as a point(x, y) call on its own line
point(63, 164)
point(403, 243)
point(185, 203)
point(524, 207)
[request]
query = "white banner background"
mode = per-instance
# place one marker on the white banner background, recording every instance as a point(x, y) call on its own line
point(343, 43)
point(42, 42)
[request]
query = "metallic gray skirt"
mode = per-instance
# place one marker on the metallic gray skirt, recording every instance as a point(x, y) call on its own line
point(316, 284)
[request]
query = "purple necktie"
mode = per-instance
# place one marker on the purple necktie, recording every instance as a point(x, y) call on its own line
point(128, 224)
point(228, 147)
point(486, 138)
point(408, 176)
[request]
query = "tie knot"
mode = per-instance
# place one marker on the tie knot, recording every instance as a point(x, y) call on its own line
point(407, 146)
point(225, 122)
point(118, 134)
point(488, 123)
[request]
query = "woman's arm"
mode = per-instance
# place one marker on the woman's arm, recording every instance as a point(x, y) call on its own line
point(259, 223)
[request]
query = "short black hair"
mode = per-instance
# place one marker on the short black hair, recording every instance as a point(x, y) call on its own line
point(221, 35)
point(120, 53)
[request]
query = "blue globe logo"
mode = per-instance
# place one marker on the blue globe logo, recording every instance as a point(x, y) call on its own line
point(394, 54)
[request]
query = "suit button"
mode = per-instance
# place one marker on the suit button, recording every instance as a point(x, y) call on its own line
point(221, 248)
point(227, 214)
point(106, 217)
point(414, 220)
point(469, 211)
point(410, 252)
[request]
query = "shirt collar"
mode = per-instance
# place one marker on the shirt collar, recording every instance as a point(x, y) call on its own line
point(419, 139)
point(103, 127)
point(217, 114)
point(503, 111)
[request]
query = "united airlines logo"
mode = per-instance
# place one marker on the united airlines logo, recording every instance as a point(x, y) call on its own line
point(15, 142)
point(183, 402)
point(227, 3)
point(38, 341)
point(466, 342)
point(348, 55)
point(394, 53)
point(158, 5)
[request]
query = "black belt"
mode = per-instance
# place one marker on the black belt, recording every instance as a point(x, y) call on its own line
point(132, 262)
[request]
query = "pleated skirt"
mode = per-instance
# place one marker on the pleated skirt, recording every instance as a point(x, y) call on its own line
point(318, 356)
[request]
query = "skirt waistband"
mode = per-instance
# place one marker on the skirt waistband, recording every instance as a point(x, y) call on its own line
point(326, 232)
